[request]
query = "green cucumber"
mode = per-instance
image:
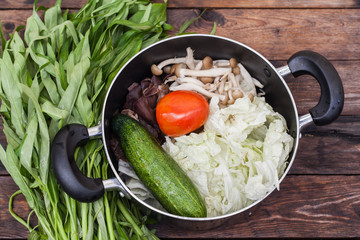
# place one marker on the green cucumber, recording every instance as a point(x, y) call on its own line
point(157, 169)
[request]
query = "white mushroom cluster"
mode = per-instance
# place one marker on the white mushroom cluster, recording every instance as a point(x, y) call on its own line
point(227, 79)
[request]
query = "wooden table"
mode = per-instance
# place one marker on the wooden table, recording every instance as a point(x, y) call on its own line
point(320, 197)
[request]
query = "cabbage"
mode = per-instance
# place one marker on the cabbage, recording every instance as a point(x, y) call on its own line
point(238, 158)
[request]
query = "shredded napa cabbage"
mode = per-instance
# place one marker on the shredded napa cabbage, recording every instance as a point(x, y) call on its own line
point(237, 159)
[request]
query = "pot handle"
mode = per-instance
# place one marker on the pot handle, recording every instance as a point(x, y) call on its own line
point(68, 175)
point(331, 100)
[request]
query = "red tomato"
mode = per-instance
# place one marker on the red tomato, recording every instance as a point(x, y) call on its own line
point(181, 112)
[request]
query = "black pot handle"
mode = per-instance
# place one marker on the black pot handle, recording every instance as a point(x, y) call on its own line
point(67, 173)
point(332, 92)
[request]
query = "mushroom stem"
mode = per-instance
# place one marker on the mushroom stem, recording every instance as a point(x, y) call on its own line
point(156, 70)
point(171, 61)
point(214, 72)
point(257, 83)
point(194, 87)
point(248, 82)
point(191, 80)
point(198, 65)
point(189, 59)
point(221, 63)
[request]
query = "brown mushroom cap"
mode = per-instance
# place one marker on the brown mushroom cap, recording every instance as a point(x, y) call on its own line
point(206, 79)
point(177, 69)
point(207, 62)
point(236, 70)
point(237, 93)
point(155, 70)
point(233, 62)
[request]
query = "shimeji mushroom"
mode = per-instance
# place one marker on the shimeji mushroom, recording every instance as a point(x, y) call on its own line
point(226, 79)
point(247, 84)
point(189, 59)
point(196, 88)
point(207, 63)
point(213, 72)
point(191, 80)
point(157, 69)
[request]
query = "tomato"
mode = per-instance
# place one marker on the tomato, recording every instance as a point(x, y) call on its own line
point(181, 112)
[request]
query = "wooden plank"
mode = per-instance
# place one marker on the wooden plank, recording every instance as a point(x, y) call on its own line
point(9, 227)
point(330, 149)
point(278, 37)
point(305, 206)
point(285, 32)
point(26, 4)
point(262, 4)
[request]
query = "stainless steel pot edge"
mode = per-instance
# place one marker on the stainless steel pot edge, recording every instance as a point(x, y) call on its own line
point(126, 191)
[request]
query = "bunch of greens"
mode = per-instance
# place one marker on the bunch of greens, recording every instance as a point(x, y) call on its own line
point(59, 74)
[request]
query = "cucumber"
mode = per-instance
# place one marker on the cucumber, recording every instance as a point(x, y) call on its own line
point(157, 169)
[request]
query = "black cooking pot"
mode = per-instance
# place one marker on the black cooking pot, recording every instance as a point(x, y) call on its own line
point(278, 95)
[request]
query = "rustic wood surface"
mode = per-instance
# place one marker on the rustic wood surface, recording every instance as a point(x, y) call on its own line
point(320, 197)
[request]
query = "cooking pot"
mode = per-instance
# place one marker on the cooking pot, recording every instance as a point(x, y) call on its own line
point(278, 95)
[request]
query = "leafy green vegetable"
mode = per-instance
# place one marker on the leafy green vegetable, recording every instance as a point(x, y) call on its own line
point(59, 74)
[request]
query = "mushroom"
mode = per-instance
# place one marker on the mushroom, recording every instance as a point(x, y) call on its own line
point(197, 88)
point(226, 98)
point(213, 72)
point(236, 70)
point(222, 83)
point(167, 69)
point(251, 97)
point(191, 80)
point(233, 62)
point(221, 63)
point(170, 61)
point(247, 84)
point(231, 98)
point(177, 69)
point(207, 63)
point(199, 65)
point(189, 59)
point(257, 83)
point(237, 93)
point(156, 70)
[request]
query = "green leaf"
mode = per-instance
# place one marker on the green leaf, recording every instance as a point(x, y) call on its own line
point(10, 162)
point(44, 134)
point(188, 23)
point(53, 111)
point(11, 89)
point(214, 29)
point(28, 146)
point(83, 105)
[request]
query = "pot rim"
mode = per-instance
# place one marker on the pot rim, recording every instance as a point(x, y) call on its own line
point(133, 196)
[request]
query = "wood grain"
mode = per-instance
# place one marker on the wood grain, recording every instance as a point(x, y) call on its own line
point(305, 207)
point(320, 197)
point(262, 4)
point(9, 227)
point(28, 4)
point(286, 32)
